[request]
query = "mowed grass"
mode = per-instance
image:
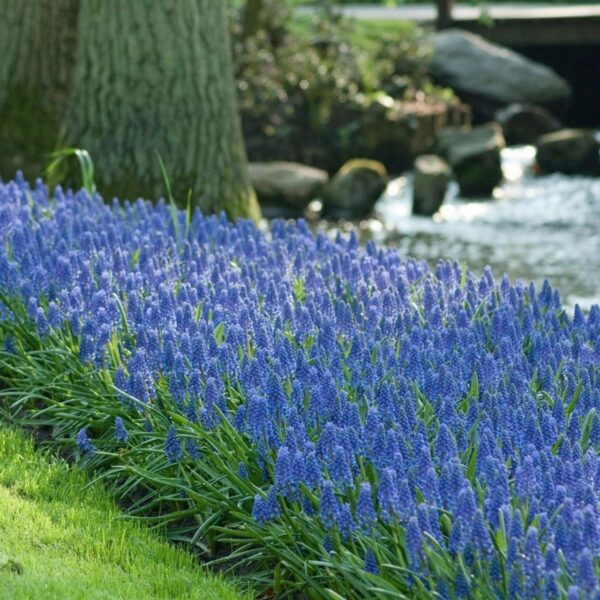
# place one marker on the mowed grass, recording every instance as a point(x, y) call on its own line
point(60, 541)
point(365, 34)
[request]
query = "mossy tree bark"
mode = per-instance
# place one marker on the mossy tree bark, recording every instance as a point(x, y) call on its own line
point(253, 14)
point(148, 79)
point(37, 49)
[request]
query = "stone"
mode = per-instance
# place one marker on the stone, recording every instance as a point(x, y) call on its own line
point(569, 151)
point(432, 174)
point(489, 76)
point(354, 189)
point(525, 123)
point(285, 189)
point(395, 132)
point(474, 156)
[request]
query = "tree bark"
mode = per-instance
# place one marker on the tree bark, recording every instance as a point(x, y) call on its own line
point(253, 14)
point(37, 57)
point(444, 14)
point(146, 79)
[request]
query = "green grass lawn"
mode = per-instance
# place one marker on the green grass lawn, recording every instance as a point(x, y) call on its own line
point(365, 33)
point(58, 541)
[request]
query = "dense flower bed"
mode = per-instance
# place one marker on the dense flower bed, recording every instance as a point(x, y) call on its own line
point(336, 419)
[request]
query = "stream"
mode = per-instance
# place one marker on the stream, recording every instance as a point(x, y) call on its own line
point(535, 228)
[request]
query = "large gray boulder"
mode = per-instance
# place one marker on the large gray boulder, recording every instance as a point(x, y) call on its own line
point(354, 189)
point(474, 155)
point(489, 76)
point(431, 179)
point(525, 123)
point(569, 151)
point(285, 189)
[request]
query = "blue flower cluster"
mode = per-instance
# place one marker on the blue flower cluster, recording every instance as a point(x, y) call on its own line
point(459, 412)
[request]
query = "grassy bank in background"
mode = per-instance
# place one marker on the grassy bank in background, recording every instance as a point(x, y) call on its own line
point(366, 34)
point(58, 540)
point(394, 3)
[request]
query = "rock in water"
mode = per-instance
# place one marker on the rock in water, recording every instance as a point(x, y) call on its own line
point(525, 123)
point(489, 76)
point(395, 132)
point(569, 151)
point(432, 175)
point(354, 189)
point(474, 156)
point(284, 189)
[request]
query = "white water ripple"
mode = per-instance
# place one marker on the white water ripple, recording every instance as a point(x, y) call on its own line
point(534, 228)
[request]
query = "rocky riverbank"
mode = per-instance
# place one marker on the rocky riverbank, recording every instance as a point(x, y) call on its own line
point(439, 138)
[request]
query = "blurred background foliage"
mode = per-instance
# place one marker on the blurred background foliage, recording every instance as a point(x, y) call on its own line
point(306, 82)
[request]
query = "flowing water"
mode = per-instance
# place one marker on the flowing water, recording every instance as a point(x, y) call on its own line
point(534, 228)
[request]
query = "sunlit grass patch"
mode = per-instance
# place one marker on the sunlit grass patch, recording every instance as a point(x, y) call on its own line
point(58, 540)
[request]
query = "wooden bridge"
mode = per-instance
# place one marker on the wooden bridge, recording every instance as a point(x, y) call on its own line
point(564, 37)
point(512, 25)
point(530, 25)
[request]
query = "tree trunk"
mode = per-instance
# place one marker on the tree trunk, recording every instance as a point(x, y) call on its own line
point(253, 14)
point(147, 79)
point(37, 56)
point(444, 14)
